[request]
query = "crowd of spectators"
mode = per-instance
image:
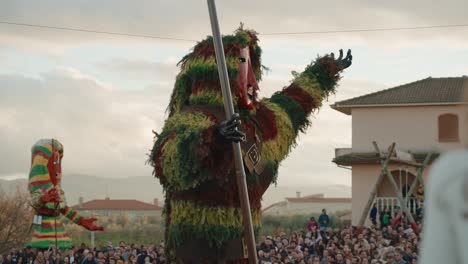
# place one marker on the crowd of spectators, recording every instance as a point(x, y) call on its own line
point(381, 243)
point(317, 243)
point(120, 254)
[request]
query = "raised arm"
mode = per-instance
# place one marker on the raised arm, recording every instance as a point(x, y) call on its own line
point(74, 216)
point(292, 106)
point(48, 200)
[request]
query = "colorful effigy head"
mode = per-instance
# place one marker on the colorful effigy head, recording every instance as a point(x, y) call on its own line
point(198, 82)
point(46, 161)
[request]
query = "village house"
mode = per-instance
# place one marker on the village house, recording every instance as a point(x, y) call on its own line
point(420, 117)
point(116, 207)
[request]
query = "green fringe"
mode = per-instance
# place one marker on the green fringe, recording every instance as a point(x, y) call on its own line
point(208, 98)
point(213, 224)
point(213, 234)
point(278, 148)
point(311, 86)
point(293, 109)
point(179, 164)
point(216, 236)
point(206, 69)
point(241, 39)
point(320, 71)
point(197, 68)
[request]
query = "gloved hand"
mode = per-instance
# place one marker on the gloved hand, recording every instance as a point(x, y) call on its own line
point(343, 63)
point(88, 223)
point(230, 129)
point(51, 196)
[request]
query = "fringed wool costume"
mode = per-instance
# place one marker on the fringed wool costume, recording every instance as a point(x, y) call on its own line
point(195, 164)
point(48, 198)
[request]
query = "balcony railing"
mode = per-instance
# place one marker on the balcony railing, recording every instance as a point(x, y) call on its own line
point(392, 202)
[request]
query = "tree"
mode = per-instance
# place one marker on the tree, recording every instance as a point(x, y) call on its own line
point(15, 219)
point(122, 220)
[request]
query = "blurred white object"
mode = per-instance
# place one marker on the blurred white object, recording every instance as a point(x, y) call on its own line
point(445, 229)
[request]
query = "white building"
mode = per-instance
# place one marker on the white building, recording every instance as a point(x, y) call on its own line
point(116, 207)
point(420, 117)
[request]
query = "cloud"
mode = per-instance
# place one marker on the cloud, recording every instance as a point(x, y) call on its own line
point(105, 132)
point(141, 69)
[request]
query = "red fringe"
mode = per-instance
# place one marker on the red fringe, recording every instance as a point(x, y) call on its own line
point(301, 97)
point(267, 122)
point(207, 50)
point(214, 152)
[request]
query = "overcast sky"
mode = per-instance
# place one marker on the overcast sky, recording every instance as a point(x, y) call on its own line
point(102, 95)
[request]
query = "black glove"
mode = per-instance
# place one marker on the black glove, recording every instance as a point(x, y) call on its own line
point(343, 63)
point(229, 129)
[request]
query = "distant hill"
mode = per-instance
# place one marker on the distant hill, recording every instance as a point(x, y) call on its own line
point(147, 188)
point(92, 187)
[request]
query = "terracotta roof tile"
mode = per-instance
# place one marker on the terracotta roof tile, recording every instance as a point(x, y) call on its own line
point(425, 91)
point(273, 205)
point(108, 204)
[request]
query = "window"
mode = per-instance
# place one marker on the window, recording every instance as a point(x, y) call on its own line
point(448, 128)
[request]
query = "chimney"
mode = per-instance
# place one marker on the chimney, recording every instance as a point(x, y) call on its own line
point(156, 201)
point(80, 201)
point(298, 194)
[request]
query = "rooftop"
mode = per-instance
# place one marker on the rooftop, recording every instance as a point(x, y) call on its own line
point(373, 158)
point(108, 204)
point(429, 91)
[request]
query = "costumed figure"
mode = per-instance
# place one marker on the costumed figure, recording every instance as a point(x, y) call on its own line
point(48, 198)
point(193, 156)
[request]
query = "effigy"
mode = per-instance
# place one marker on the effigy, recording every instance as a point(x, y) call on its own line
point(48, 198)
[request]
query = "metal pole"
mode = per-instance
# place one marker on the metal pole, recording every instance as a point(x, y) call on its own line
point(229, 109)
point(92, 239)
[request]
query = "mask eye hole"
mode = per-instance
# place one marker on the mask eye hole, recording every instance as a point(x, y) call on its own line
point(242, 60)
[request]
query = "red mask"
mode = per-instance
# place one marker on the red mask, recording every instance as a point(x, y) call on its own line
point(246, 80)
point(54, 166)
